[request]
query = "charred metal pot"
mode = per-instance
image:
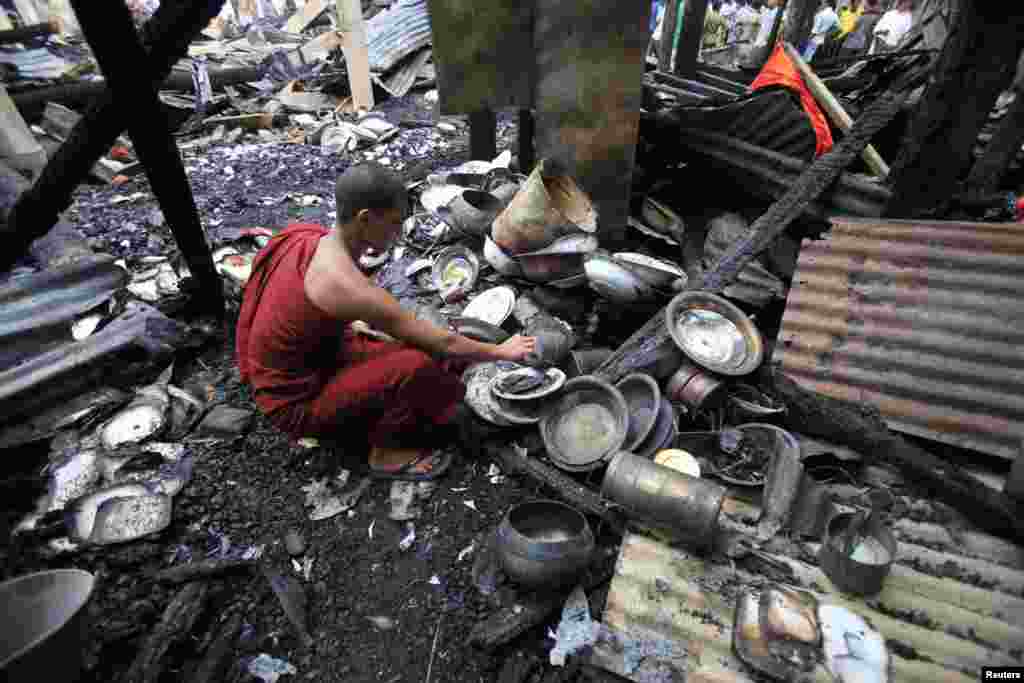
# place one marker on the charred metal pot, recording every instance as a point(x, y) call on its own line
point(857, 553)
point(693, 387)
point(48, 625)
point(544, 544)
point(685, 507)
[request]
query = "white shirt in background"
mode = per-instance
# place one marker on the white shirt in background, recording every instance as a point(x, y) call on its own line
point(824, 22)
point(897, 24)
point(767, 22)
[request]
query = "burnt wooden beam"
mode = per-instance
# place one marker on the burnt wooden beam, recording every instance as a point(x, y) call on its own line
point(690, 40)
point(977, 62)
point(176, 623)
point(118, 50)
point(1002, 149)
point(668, 30)
point(862, 430)
point(527, 130)
point(483, 135)
point(167, 34)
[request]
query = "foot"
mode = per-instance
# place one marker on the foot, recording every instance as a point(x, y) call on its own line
point(395, 459)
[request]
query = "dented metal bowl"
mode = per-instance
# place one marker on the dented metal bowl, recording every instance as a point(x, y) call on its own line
point(500, 261)
point(586, 425)
point(48, 625)
point(714, 333)
point(614, 281)
point(544, 544)
point(473, 211)
point(493, 306)
point(578, 243)
point(655, 272)
point(554, 381)
point(644, 400)
point(856, 560)
point(662, 435)
point(550, 267)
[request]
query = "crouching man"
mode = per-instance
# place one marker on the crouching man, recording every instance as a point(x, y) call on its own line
point(313, 375)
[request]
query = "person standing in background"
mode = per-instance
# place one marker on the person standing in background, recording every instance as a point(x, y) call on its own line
point(728, 12)
point(825, 22)
point(893, 26)
point(747, 20)
point(859, 39)
point(849, 15)
point(715, 28)
point(768, 14)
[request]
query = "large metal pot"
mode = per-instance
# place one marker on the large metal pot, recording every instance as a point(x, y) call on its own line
point(47, 625)
point(544, 544)
point(684, 507)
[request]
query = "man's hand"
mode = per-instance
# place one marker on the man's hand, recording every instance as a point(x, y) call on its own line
point(516, 348)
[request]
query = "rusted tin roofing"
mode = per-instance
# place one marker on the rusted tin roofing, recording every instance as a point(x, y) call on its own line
point(921, 319)
point(946, 609)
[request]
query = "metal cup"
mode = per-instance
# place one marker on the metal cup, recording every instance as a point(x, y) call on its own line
point(693, 387)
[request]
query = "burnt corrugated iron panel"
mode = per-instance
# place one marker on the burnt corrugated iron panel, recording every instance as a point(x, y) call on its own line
point(670, 614)
point(396, 33)
point(925, 320)
point(770, 118)
point(400, 80)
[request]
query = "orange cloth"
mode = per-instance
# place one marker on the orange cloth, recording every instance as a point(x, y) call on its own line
point(780, 70)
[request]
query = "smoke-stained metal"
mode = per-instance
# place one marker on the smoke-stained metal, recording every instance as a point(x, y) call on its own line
point(924, 320)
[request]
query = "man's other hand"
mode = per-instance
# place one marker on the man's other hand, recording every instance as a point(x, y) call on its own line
point(516, 348)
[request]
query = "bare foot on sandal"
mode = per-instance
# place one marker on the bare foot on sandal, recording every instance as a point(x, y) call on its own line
point(407, 463)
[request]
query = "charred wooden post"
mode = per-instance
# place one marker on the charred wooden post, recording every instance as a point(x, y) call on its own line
point(975, 65)
point(204, 569)
point(668, 30)
point(168, 34)
point(690, 41)
point(117, 48)
point(483, 131)
point(527, 130)
point(177, 622)
point(1002, 149)
point(851, 426)
point(211, 668)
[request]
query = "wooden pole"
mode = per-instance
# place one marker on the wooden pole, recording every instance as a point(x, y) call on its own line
point(693, 33)
point(835, 111)
point(668, 29)
point(1001, 151)
point(483, 135)
point(977, 62)
point(357, 58)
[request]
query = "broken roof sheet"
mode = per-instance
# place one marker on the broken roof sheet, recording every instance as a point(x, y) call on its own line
point(921, 319)
point(397, 32)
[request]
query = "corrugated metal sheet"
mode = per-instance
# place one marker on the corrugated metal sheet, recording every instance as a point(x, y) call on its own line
point(400, 80)
point(670, 614)
point(923, 320)
point(396, 33)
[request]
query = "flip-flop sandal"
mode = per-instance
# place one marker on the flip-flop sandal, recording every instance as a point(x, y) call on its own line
point(442, 461)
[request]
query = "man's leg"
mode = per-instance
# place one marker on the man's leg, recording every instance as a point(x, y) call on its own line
point(400, 394)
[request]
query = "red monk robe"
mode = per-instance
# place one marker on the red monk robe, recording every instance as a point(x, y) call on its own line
point(313, 376)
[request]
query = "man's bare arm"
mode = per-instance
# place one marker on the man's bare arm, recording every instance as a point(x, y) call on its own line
point(383, 312)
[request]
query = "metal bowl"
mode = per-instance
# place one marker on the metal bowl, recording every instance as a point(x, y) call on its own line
point(493, 306)
point(614, 281)
point(693, 387)
point(479, 330)
point(864, 571)
point(569, 282)
point(655, 272)
point(550, 267)
point(47, 625)
point(662, 435)
point(455, 268)
point(644, 400)
point(714, 334)
point(544, 544)
point(555, 380)
point(577, 243)
point(748, 403)
point(586, 425)
point(473, 211)
point(500, 261)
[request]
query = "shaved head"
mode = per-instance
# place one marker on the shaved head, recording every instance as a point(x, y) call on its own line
point(368, 186)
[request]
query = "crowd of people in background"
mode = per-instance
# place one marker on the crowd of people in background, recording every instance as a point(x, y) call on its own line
point(845, 28)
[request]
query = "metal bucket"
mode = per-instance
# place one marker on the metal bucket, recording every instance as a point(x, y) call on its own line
point(47, 625)
point(685, 507)
point(693, 387)
point(852, 575)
